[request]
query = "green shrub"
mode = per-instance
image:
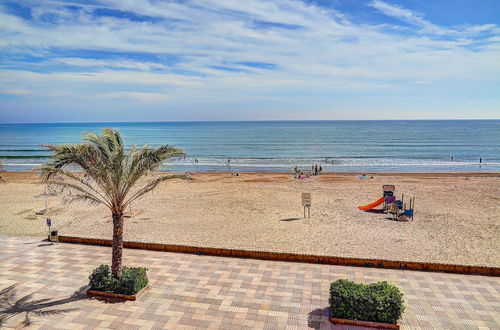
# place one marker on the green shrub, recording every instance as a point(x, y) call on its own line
point(377, 302)
point(131, 280)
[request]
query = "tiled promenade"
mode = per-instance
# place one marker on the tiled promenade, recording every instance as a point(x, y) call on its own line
point(41, 285)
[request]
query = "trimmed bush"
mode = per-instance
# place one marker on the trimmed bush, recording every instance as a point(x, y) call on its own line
point(377, 302)
point(131, 280)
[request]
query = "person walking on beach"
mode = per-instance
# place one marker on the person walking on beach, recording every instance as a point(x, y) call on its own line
point(316, 169)
point(320, 169)
point(312, 169)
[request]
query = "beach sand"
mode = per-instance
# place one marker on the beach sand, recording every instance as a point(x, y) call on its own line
point(457, 216)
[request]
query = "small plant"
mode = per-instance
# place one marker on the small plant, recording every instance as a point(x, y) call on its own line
point(131, 280)
point(377, 302)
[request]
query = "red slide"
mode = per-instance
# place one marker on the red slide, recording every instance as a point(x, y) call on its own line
point(372, 205)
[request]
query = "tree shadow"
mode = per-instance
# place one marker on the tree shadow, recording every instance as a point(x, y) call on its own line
point(291, 219)
point(377, 211)
point(322, 315)
point(11, 305)
point(42, 242)
point(314, 318)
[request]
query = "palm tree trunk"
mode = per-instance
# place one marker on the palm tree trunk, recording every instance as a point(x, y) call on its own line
point(116, 260)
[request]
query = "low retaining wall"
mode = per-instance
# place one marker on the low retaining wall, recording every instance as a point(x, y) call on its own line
point(294, 257)
point(367, 324)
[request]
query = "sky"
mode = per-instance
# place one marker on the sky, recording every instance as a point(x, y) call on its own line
point(152, 60)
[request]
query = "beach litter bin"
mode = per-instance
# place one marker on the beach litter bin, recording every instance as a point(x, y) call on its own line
point(54, 235)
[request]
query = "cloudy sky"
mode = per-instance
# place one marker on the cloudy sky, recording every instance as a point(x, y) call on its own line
point(152, 60)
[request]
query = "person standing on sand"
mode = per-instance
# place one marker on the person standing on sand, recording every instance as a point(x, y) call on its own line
point(316, 169)
point(312, 169)
point(320, 169)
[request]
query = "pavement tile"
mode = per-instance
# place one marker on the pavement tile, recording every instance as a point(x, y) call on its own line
point(204, 292)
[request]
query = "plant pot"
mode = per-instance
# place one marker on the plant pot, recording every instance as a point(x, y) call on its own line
point(367, 324)
point(120, 296)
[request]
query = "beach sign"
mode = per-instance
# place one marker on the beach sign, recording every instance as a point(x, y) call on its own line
point(49, 222)
point(306, 199)
point(306, 203)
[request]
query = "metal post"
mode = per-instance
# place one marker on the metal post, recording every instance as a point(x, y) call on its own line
point(49, 223)
point(413, 209)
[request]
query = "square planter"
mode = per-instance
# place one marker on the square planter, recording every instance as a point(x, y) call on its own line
point(120, 296)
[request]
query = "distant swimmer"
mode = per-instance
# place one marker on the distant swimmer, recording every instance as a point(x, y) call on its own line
point(451, 158)
point(480, 160)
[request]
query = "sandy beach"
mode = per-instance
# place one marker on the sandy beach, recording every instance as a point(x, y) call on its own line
point(457, 216)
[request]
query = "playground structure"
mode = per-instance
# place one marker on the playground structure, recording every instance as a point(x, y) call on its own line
point(396, 207)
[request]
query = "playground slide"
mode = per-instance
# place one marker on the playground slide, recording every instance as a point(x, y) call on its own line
point(372, 205)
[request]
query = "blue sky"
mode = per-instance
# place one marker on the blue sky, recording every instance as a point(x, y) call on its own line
point(151, 60)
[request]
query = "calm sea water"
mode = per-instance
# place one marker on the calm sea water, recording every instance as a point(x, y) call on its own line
point(358, 146)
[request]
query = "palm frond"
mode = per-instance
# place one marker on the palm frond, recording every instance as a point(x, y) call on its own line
point(144, 161)
point(152, 185)
point(79, 193)
point(114, 173)
point(83, 156)
point(75, 181)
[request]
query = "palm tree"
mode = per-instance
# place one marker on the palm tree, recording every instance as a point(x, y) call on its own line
point(111, 177)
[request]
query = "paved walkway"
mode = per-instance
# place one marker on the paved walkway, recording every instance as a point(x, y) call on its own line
point(41, 286)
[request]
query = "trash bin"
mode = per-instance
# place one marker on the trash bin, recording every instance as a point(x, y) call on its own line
point(53, 236)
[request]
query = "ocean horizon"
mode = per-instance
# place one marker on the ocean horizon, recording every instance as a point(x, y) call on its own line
point(279, 146)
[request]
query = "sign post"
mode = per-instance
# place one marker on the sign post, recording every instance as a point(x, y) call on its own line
point(49, 223)
point(306, 203)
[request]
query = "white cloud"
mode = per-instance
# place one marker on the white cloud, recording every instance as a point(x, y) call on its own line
point(118, 64)
point(418, 20)
point(19, 92)
point(190, 43)
point(147, 97)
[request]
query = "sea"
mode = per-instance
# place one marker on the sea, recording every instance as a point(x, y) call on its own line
point(278, 146)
